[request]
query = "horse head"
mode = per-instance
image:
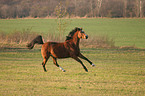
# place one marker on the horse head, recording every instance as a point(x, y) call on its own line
point(81, 34)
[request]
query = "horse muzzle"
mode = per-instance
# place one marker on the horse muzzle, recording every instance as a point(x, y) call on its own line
point(86, 36)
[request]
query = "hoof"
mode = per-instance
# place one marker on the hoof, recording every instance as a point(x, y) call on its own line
point(93, 65)
point(45, 70)
point(63, 71)
point(86, 70)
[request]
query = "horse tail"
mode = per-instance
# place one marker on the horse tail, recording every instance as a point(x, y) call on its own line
point(37, 40)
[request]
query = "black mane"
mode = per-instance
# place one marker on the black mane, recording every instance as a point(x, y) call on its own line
point(70, 35)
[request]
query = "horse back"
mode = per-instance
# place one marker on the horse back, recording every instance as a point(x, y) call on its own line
point(57, 50)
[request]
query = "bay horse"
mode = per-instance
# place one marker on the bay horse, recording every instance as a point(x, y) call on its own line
point(69, 48)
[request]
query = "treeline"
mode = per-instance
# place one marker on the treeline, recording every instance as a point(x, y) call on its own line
point(73, 8)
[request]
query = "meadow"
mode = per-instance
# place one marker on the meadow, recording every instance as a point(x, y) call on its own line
point(118, 72)
point(125, 32)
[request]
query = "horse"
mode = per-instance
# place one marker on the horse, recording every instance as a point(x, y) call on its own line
point(68, 48)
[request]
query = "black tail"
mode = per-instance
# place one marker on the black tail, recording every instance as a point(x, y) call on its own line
point(37, 40)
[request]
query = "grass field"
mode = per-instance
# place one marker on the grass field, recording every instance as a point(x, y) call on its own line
point(125, 32)
point(118, 72)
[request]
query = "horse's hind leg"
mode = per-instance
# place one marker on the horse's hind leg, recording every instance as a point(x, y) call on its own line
point(55, 62)
point(44, 63)
point(83, 57)
point(77, 59)
point(45, 56)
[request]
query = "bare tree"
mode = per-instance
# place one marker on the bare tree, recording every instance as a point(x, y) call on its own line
point(139, 5)
point(91, 8)
point(141, 15)
point(5, 11)
point(75, 2)
point(125, 8)
point(98, 6)
point(137, 8)
point(62, 23)
point(81, 8)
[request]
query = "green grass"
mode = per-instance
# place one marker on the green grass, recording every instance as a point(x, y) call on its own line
point(125, 32)
point(118, 72)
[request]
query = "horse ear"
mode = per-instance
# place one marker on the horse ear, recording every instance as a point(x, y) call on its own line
point(76, 29)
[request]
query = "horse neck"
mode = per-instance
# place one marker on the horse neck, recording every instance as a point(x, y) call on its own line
point(76, 40)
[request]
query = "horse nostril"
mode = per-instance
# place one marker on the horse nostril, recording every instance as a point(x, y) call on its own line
point(86, 36)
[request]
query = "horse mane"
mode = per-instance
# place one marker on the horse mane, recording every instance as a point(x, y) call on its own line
point(70, 35)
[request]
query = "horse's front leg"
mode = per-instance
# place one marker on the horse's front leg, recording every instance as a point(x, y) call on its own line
point(83, 57)
point(55, 62)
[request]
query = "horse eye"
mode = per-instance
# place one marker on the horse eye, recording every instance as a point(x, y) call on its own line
point(82, 31)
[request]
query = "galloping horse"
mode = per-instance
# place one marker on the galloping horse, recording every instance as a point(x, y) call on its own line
point(69, 48)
